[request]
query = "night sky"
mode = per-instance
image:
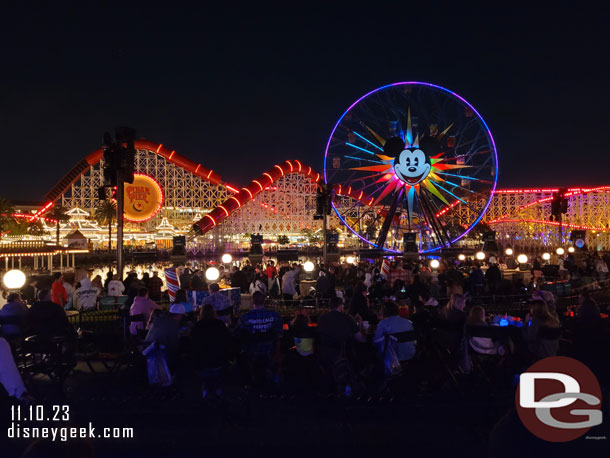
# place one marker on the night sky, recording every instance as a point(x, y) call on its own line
point(240, 91)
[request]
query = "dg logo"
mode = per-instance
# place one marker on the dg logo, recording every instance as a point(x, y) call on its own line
point(559, 399)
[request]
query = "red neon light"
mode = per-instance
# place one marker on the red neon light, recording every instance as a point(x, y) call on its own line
point(225, 210)
point(260, 185)
point(291, 169)
point(317, 177)
point(41, 211)
point(159, 148)
point(360, 196)
point(213, 220)
point(309, 171)
point(281, 170)
point(236, 200)
point(299, 165)
point(172, 155)
point(198, 165)
point(231, 188)
point(270, 177)
point(248, 191)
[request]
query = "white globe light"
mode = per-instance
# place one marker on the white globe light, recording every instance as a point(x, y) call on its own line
point(435, 264)
point(522, 259)
point(350, 259)
point(212, 274)
point(546, 256)
point(308, 266)
point(571, 249)
point(227, 258)
point(560, 251)
point(509, 252)
point(14, 279)
point(461, 257)
point(480, 255)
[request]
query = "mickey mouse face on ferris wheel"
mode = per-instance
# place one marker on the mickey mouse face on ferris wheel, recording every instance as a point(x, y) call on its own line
point(411, 165)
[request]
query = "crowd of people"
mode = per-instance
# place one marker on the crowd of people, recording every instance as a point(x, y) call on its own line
point(375, 321)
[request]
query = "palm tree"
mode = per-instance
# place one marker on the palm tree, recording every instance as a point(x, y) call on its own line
point(58, 213)
point(104, 214)
point(6, 214)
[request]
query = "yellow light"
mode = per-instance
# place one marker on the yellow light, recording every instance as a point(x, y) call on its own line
point(350, 259)
point(560, 251)
point(509, 252)
point(546, 256)
point(522, 259)
point(212, 274)
point(461, 257)
point(435, 264)
point(480, 255)
point(14, 279)
point(309, 266)
point(227, 258)
point(571, 249)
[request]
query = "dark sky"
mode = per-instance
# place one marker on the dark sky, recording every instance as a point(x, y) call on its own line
point(240, 90)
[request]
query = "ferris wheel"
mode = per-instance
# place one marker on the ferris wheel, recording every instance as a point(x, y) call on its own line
point(420, 162)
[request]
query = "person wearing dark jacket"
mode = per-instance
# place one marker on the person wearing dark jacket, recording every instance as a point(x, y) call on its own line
point(359, 305)
point(210, 343)
point(48, 318)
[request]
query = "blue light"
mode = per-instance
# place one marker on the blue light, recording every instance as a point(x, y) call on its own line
point(364, 159)
point(503, 322)
point(368, 141)
point(361, 149)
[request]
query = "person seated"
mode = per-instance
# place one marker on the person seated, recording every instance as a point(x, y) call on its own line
point(220, 302)
point(142, 305)
point(427, 300)
point(454, 310)
point(48, 319)
point(392, 323)
point(165, 330)
point(260, 329)
point(16, 309)
point(335, 329)
point(210, 344)
point(85, 296)
point(482, 345)
point(182, 299)
point(359, 305)
point(10, 378)
point(29, 290)
point(536, 320)
point(303, 334)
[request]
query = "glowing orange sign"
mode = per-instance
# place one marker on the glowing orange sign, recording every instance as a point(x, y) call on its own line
point(143, 198)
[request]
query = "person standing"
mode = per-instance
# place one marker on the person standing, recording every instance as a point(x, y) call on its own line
point(289, 283)
point(154, 286)
point(114, 287)
point(58, 291)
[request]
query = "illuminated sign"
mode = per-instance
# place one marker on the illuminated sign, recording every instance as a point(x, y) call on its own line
point(143, 198)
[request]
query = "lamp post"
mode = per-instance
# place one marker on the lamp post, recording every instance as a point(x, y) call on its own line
point(14, 280)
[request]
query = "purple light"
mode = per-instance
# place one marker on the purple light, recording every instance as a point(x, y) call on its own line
point(465, 103)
